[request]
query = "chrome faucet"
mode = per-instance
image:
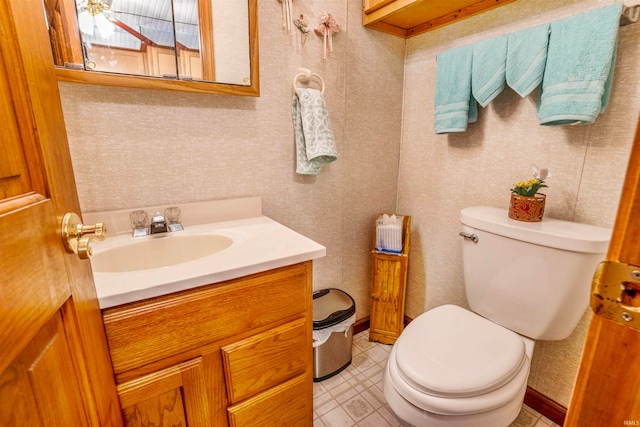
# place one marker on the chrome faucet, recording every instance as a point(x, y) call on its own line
point(170, 221)
point(158, 224)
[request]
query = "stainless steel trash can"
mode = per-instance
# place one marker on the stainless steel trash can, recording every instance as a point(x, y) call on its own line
point(330, 308)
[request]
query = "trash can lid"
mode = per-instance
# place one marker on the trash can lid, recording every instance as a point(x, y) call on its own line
point(331, 306)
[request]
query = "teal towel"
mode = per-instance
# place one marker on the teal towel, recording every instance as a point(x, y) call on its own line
point(488, 69)
point(579, 70)
point(454, 105)
point(526, 58)
point(315, 144)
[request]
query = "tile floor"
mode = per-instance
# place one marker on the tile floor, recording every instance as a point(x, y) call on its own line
point(354, 398)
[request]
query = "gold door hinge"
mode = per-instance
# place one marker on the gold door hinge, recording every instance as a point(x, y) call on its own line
point(615, 293)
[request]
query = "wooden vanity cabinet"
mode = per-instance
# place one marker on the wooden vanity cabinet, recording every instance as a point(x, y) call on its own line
point(236, 353)
point(407, 18)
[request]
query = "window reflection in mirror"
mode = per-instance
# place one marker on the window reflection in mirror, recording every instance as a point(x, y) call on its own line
point(194, 40)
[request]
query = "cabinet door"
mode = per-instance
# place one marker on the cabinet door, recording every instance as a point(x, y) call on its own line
point(168, 397)
point(387, 297)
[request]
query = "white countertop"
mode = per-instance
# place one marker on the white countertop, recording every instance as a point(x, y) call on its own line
point(259, 244)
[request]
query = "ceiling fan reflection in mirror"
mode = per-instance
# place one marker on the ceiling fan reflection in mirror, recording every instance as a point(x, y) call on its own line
point(92, 14)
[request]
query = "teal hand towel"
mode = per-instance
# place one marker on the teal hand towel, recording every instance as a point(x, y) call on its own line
point(526, 58)
point(315, 143)
point(579, 70)
point(455, 108)
point(488, 69)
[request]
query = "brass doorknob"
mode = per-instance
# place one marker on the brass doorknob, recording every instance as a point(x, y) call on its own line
point(77, 236)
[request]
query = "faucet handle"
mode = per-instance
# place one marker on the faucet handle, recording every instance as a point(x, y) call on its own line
point(172, 215)
point(139, 219)
point(139, 223)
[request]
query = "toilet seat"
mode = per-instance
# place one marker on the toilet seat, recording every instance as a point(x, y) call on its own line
point(452, 361)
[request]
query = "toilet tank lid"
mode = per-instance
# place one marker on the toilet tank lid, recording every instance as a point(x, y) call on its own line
point(551, 232)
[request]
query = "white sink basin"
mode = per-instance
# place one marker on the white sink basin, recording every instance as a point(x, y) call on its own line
point(149, 252)
point(128, 269)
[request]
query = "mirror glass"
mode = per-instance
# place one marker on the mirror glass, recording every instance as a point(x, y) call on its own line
point(187, 40)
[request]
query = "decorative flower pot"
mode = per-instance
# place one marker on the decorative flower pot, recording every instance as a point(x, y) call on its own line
point(528, 209)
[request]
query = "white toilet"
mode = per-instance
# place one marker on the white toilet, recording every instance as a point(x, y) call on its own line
point(524, 282)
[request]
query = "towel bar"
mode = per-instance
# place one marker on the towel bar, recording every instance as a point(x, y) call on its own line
point(305, 76)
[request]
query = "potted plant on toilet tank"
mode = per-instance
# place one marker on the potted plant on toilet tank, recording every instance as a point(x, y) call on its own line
point(527, 204)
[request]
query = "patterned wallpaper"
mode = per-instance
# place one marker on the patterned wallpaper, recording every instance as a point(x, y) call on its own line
point(135, 147)
point(441, 174)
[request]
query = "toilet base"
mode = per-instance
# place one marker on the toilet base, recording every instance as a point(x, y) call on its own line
point(411, 416)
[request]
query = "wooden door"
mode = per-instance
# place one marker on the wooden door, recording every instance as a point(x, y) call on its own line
point(54, 362)
point(607, 391)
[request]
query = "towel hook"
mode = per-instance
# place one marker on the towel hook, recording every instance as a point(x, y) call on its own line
point(630, 14)
point(305, 76)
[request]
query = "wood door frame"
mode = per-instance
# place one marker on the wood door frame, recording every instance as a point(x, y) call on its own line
point(607, 388)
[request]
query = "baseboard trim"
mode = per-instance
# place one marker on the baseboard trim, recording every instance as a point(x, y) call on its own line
point(361, 325)
point(532, 398)
point(546, 406)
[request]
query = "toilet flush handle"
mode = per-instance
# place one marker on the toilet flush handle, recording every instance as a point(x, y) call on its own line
point(467, 236)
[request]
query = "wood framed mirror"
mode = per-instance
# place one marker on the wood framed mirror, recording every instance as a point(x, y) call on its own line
point(186, 45)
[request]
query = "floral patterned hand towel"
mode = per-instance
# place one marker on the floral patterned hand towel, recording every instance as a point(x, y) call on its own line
point(315, 143)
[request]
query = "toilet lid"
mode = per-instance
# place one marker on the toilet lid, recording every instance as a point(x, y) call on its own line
point(451, 352)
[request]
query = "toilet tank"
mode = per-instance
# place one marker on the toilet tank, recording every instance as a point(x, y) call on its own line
point(532, 278)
